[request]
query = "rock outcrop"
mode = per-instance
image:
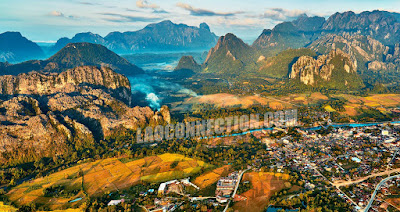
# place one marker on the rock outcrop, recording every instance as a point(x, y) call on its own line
point(382, 26)
point(187, 63)
point(46, 114)
point(335, 70)
point(370, 54)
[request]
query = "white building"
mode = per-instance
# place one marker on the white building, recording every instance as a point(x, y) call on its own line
point(115, 202)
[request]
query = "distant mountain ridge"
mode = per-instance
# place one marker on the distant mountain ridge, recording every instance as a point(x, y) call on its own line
point(162, 36)
point(16, 48)
point(380, 25)
point(71, 56)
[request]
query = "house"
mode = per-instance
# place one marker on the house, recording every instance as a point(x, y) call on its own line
point(161, 189)
point(115, 202)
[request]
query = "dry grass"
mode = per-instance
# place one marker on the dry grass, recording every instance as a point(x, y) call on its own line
point(375, 100)
point(264, 185)
point(394, 201)
point(350, 110)
point(7, 208)
point(211, 177)
point(289, 101)
point(104, 176)
point(328, 108)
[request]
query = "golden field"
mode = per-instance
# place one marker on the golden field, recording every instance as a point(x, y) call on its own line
point(7, 208)
point(264, 185)
point(211, 177)
point(379, 101)
point(104, 176)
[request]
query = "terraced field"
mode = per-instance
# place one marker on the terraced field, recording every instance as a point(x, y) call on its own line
point(102, 177)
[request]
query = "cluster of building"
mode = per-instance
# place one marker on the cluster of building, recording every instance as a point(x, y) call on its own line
point(226, 186)
point(341, 154)
point(175, 186)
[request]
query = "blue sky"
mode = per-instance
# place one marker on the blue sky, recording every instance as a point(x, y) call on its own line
point(48, 20)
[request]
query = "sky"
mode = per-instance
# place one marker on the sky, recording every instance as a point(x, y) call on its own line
point(49, 20)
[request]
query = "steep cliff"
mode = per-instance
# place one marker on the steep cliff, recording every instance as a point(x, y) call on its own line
point(231, 56)
point(382, 26)
point(335, 70)
point(46, 114)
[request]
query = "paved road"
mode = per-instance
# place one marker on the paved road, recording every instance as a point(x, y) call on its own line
point(377, 189)
point(350, 182)
point(236, 188)
point(200, 198)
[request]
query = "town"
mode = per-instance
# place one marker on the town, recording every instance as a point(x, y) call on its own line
point(360, 163)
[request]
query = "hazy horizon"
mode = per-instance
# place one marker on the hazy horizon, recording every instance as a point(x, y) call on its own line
point(47, 20)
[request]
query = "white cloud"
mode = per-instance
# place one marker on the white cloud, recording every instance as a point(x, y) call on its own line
point(56, 13)
point(281, 14)
point(145, 4)
point(203, 12)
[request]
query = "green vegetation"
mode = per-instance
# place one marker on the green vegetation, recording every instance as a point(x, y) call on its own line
point(278, 66)
point(231, 57)
point(244, 186)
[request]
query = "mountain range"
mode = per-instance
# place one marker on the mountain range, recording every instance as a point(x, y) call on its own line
point(369, 39)
point(348, 51)
point(163, 36)
point(380, 25)
point(71, 56)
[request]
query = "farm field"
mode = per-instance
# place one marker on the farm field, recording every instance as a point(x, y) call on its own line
point(7, 208)
point(264, 185)
point(211, 177)
point(102, 177)
point(379, 101)
point(395, 202)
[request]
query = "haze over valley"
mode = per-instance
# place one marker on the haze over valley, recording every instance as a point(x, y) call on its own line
point(200, 106)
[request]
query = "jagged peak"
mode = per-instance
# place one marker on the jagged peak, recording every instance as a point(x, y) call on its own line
point(228, 42)
point(204, 26)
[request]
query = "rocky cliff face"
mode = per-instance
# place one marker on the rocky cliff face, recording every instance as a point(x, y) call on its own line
point(370, 54)
point(379, 25)
point(334, 70)
point(390, 61)
point(46, 114)
point(51, 83)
